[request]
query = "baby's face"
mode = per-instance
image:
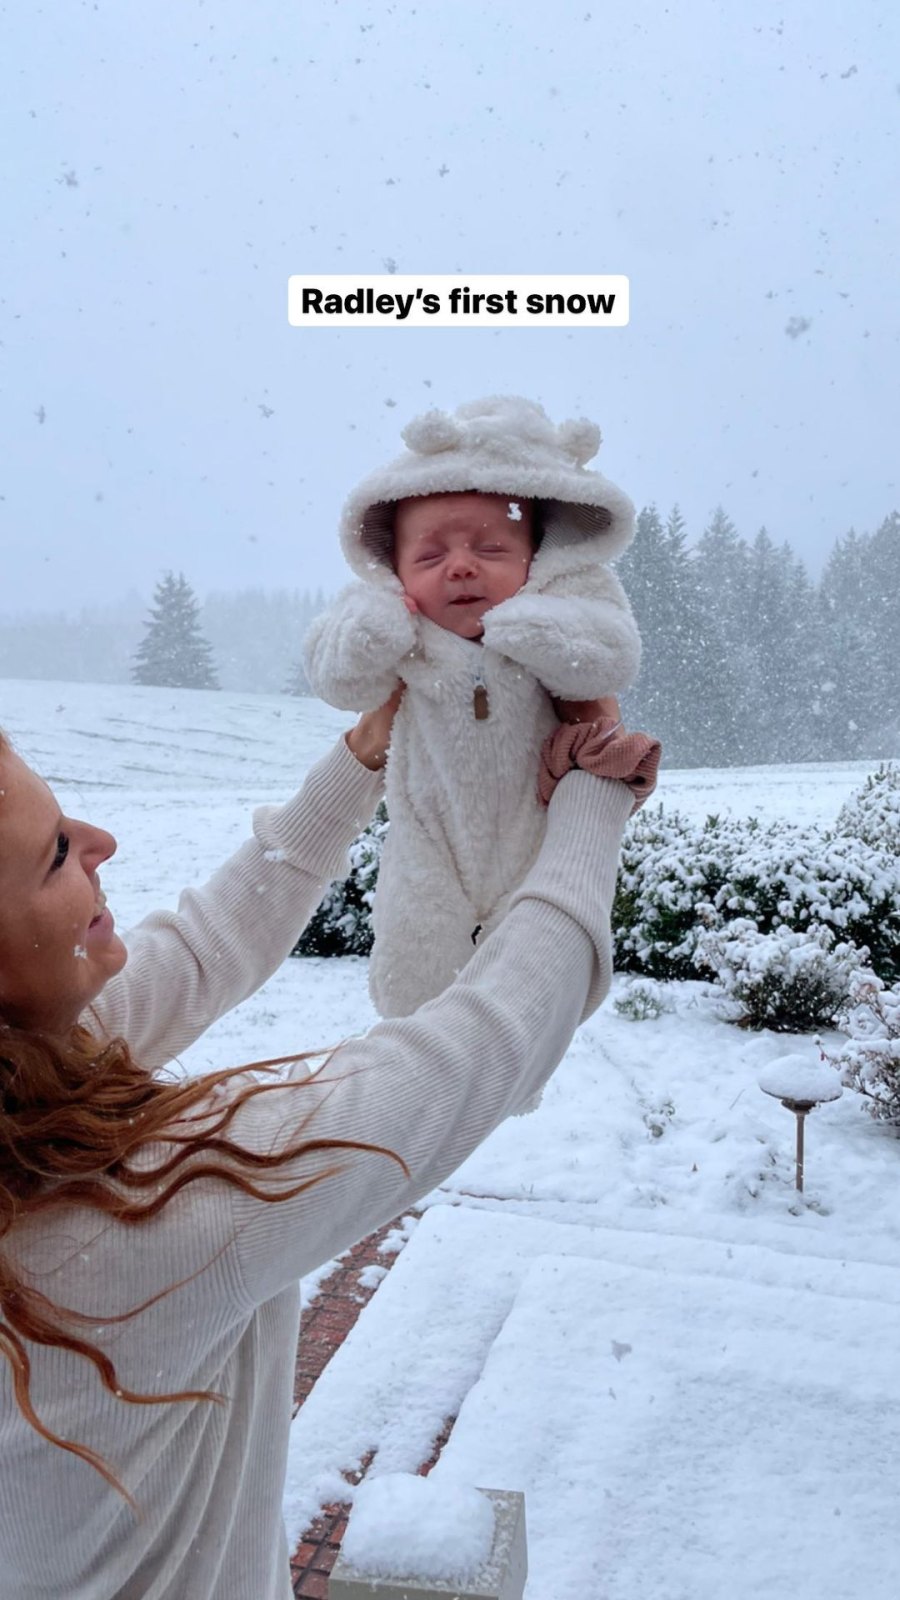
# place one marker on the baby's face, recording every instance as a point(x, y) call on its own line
point(457, 555)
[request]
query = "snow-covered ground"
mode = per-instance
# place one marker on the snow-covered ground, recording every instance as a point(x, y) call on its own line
point(688, 1367)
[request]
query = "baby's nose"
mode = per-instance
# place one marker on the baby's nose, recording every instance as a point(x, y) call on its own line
point(462, 561)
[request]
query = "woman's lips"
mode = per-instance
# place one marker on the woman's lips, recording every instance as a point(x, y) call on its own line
point(102, 927)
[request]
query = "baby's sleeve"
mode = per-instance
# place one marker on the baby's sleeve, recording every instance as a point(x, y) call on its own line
point(578, 635)
point(352, 652)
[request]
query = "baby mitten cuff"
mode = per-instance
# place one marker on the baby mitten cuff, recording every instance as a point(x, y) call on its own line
point(603, 749)
point(352, 652)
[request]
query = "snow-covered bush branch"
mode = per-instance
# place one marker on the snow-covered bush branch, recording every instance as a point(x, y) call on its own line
point(869, 1061)
point(873, 813)
point(785, 980)
point(342, 924)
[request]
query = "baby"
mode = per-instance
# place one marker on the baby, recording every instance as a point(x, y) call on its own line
point(485, 586)
point(458, 555)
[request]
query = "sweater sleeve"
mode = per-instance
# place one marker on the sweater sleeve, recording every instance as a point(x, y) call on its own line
point(187, 967)
point(432, 1086)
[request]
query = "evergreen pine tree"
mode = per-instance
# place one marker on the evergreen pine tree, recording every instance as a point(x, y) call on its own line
point(256, 635)
point(778, 608)
point(720, 566)
point(845, 702)
point(883, 585)
point(173, 652)
point(723, 569)
point(798, 734)
point(675, 693)
point(297, 682)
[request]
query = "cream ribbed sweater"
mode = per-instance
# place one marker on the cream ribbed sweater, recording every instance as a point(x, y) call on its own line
point(208, 1478)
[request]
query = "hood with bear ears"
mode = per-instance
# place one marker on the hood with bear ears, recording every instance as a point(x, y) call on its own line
point(500, 445)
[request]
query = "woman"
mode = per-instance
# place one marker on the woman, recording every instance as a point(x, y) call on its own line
point(148, 1280)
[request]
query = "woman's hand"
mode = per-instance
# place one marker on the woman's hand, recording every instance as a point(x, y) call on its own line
point(370, 738)
point(572, 711)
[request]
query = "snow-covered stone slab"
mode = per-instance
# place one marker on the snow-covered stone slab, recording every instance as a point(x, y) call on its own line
point(676, 1437)
point(502, 1576)
point(421, 1343)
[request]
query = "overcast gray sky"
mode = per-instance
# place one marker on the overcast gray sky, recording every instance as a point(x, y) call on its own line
point(165, 168)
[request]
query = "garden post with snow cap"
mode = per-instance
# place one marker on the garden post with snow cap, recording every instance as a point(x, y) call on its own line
point(800, 1085)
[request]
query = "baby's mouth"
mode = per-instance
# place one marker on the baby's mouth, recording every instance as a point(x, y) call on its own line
point(467, 600)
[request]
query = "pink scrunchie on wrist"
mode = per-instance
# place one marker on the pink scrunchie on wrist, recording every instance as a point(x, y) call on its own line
point(599, 748)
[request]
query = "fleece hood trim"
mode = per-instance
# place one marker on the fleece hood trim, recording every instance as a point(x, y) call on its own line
point(499, 445)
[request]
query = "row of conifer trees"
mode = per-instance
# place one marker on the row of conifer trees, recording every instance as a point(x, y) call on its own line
point(746, 660)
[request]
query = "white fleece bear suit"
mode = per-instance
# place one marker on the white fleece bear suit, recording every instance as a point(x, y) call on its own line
point(461, 781)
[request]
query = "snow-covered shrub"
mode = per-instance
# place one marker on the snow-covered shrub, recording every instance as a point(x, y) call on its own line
point(641, 1000)
point(794, 877)
point(785, 980)
point(869, 1061)
point(342, 924)
point(872, 814)
point(679, 878)
point(669, 873)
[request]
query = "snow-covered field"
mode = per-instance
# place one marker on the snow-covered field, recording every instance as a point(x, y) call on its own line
point(688, 1368)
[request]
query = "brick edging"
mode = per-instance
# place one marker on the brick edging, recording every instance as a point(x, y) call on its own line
point(324, 1327)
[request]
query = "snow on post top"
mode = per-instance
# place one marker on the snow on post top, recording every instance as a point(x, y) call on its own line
point(795, 1077)
point(403, 1526)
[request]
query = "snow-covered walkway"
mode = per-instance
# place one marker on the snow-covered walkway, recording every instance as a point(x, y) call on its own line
point(634, 1318)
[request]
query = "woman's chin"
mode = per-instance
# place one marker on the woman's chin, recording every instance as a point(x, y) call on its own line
point(107, 959)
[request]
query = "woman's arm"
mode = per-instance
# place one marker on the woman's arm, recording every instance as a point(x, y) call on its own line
point(187, 967)
point(432, 1086)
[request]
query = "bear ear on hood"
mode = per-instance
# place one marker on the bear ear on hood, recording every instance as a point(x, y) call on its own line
point(580, 439)
point(428, 435)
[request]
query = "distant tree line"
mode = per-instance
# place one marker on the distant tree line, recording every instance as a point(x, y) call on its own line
point(746, 660)
point(175, 652)
point(254, 636)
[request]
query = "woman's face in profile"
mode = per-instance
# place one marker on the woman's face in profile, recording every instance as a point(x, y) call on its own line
point(58, 944)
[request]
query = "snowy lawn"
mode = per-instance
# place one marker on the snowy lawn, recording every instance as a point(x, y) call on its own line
point(744, 1441)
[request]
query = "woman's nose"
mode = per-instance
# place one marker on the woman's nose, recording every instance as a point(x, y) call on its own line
point(98, 846)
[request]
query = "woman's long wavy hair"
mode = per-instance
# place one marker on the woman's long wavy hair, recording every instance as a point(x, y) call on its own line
point(74, 1114)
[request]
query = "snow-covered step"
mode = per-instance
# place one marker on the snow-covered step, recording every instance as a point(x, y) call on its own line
point(422, 1342)
point(677, 1436)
